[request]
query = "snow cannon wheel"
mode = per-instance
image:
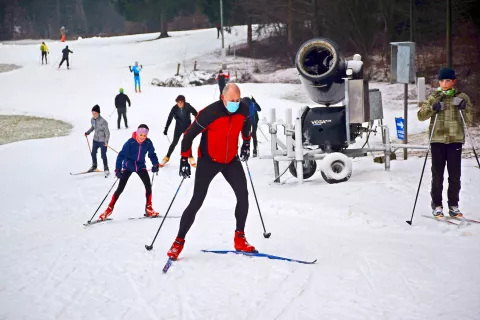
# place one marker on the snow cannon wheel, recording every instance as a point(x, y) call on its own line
point(309, 168)
point(336, 168)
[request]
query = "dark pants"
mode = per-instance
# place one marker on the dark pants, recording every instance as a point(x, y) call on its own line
point(218, 33)
point(176, 138)
point(103, 151)
point(122, 111)
point(254, 135)
point(204, 174)
point(144, 176)
point(221, 87)
point(64, 59)
point(44, 55)
point(451, 155)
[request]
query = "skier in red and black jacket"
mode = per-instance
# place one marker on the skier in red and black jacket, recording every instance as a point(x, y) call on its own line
point(220, 124)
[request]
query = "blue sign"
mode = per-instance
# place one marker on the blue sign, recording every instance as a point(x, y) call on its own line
point(400, 123)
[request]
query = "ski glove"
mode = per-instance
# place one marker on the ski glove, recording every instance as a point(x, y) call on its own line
point(184, 168)
point(119, 174)
point(165, 132)
point(438, 106)
point(155, 168)
point(245, 151)
point(460, 103)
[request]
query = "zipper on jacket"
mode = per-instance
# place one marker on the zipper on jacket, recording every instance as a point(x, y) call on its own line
point(138, 158)
point(228, 135)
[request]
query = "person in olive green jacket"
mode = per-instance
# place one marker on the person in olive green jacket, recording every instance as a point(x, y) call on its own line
point(447, 140)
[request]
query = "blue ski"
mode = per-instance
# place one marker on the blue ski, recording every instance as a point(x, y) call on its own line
point(262, 255)
point(167, 265)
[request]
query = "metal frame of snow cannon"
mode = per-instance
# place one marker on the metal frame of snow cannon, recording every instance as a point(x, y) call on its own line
point(329, 80)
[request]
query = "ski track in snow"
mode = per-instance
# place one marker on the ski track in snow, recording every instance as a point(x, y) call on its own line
point(371, 264)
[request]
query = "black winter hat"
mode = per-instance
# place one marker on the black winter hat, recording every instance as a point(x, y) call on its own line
point(96, 108)
point(143, 126)
point(446, 73)
point(180, 98)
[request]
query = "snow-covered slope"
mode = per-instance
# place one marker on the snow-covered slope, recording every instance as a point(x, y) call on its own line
point(371, 264)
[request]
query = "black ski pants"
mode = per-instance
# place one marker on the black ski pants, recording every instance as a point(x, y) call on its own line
point(64, 59)
point(144, 176)
point(122, 112)
point(44, 55)
point(450, 155)
point(254, 135)
point(176, 138)
point(204, 174)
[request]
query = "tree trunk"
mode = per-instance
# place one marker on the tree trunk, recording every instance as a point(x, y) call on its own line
point(316, 19)
point(163, 27)
point(82, 20)
point(250, 38)
point(289, 22)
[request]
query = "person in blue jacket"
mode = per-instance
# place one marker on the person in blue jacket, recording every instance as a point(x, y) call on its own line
point(132, 159)
point(136, 75)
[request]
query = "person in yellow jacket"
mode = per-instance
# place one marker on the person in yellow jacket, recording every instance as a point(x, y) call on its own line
point(44, 49)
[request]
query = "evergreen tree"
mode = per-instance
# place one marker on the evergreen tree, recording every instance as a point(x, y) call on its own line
point(157, 12)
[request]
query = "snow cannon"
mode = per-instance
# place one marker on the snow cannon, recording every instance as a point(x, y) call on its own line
point(323, 70)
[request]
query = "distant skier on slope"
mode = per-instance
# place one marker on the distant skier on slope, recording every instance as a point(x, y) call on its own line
point(132, 159)
point(121, 104)
point(448, 136)
point(136, 75)
point(220, 124)
point(44, 50)
point(65, 53)
point(254, 108)
point(222, 80)
point(100, 139)
point(181, 113)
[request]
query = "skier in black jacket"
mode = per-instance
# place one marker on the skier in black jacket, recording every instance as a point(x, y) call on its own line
point(181, 112)
point(65, 53)
point(121, 104)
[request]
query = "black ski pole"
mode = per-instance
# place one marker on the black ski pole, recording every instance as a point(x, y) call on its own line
point(265, 233)
point(116, 180)
point(469, 137)
point(423, 170)
point(150, 247)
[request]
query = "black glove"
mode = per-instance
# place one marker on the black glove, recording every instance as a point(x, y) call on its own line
point(438, 106)
point(165, 132)
point(130, 67)
point(155, 168)
point(245, 151)
point(119, 174)
point(460, 103)
point(184, 168)
point(86, 134)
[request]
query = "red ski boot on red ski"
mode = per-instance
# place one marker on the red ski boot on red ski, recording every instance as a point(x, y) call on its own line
point(176, 248)
point(106, 214)
point(241, 243)
point(149, 212)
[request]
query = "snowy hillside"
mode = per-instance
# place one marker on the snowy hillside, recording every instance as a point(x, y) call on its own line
point(371, 264)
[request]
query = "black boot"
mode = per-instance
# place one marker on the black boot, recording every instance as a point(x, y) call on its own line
point(93, 168)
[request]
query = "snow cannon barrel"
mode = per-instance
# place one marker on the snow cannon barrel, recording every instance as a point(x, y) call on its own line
point(323, 70)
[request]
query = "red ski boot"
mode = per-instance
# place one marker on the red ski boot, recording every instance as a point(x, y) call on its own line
point(241, 244)
point(106, 213)
point(149, 212)
point(176, 248)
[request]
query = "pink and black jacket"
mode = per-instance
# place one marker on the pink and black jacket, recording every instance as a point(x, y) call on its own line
point(132, 156)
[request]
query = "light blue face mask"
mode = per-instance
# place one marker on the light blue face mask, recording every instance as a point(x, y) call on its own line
point(232, 106)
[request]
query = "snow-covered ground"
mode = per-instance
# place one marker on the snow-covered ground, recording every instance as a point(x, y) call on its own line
point(371, 264)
